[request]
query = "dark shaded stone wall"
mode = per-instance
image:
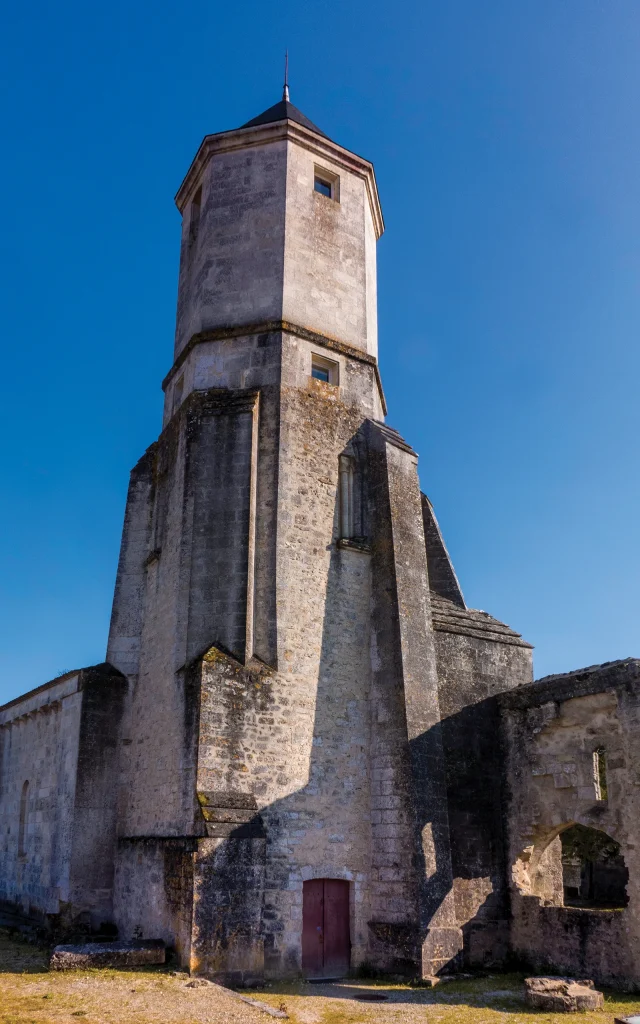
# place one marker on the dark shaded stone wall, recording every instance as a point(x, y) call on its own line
point(220, 480)
point(93, 850)
point(411, 841)
point(442, 577)
point(228, 909)
point(577, 943)
point(154, 890)
point(474, 664)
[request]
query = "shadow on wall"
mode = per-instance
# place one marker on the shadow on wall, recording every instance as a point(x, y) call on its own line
point(474, 777)
point(355, 818)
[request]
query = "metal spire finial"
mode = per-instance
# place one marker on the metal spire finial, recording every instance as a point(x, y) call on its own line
point(285, 91)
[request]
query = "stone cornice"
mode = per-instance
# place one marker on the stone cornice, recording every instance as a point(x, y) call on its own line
point(244, 138)
point(612, 675)
point(30, 694)
point(271, 326)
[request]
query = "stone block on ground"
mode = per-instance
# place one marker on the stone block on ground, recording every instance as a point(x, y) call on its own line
point(108, 954)
point(562, 995)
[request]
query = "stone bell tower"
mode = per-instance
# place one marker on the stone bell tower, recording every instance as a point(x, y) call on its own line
point(282, 799)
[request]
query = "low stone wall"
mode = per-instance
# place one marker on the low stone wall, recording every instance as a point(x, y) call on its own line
point(582, 943)
point(154, 891)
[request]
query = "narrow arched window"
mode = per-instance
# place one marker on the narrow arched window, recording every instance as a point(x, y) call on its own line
point(600, 773)
point(194, 216)
point(24, 813)
point(346, 498)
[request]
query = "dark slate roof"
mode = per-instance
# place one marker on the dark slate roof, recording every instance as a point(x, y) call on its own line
point(281, 112)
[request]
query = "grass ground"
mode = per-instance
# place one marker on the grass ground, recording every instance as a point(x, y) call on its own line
point(29, 994)
point(496, 999)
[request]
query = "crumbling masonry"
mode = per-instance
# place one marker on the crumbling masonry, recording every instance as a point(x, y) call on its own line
point(304, 753)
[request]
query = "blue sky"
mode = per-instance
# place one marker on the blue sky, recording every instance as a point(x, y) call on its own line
point(506, 143)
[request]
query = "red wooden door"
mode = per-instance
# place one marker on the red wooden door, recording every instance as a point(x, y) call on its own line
point(313, 928)
point(326, 945)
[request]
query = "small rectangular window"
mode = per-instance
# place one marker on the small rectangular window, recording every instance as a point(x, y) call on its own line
point(324, 369)
point(326, 183)
point(323, 187)
point(345, 494)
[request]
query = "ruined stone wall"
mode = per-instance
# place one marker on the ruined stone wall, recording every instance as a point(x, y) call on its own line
point(61, 739)
point(40, 735)
point(477, 658)
point(551, 730)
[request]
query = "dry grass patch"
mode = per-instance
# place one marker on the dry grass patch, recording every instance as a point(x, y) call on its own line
point(30, 994)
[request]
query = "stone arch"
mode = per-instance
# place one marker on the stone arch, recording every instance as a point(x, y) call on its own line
point(539, 869)
point(594, 870)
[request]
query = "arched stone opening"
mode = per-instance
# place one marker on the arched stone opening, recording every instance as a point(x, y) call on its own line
point(573, 865)
point(594, 873)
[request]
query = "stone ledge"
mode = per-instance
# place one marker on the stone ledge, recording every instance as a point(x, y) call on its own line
point(354, 544)
point(108, 954)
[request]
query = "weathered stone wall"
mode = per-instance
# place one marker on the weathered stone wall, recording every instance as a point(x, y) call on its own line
point(478, 657)
point(157, 764)
point(40, 736)
point(204, 576)
point(329, 262)
point(295, 739)
point(307, 769)
point(125, 632)
point(61, 739)
point(154, 891)
point(231, 268)
point(551, 730)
